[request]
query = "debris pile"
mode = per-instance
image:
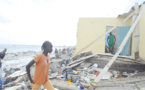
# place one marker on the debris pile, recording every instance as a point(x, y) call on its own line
point(77, 73)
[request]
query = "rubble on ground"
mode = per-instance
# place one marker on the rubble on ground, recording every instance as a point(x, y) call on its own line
point(77, 74)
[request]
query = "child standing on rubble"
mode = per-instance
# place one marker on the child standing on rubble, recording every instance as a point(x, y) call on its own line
point(42, 68)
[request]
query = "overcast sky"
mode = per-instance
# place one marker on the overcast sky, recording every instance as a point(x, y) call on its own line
point(34, 21)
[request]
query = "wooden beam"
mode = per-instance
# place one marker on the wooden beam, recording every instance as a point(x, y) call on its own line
point(73, 65)
point(79, 61)
point(82, 59)
point(120, 48)
point(102, 35)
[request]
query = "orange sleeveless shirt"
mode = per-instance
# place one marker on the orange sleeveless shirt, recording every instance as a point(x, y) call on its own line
point(41, 69)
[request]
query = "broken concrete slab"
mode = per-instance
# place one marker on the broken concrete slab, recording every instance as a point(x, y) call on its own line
point(62, 85)
point(17, 73)
point(64, 56)
point(18, 87)
point(121, 66)
point(82, 55)
point(117, 88)
point(56, 60)
point(124, 80)
point(112, 86)
point(55, 67)
point(54, 89)
point(140, 84)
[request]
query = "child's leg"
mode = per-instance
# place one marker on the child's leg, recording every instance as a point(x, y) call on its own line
point(36, 86)
point(48, 85)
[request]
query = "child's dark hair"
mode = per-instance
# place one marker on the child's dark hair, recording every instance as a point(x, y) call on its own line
point(46, 44)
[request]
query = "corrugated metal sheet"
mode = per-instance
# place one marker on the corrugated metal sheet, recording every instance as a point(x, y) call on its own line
point(122, 32)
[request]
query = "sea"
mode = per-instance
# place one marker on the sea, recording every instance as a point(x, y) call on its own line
point(22, 61)
point(25, 48)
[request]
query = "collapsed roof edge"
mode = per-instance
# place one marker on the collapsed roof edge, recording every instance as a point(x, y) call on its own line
point(130, 11)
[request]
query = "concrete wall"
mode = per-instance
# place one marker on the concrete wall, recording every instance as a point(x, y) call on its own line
point(91, 28)
point(142, 35)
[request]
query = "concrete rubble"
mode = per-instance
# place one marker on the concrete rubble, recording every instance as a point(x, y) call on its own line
point(77, 74)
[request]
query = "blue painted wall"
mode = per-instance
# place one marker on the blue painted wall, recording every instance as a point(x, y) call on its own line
point(122, 32)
